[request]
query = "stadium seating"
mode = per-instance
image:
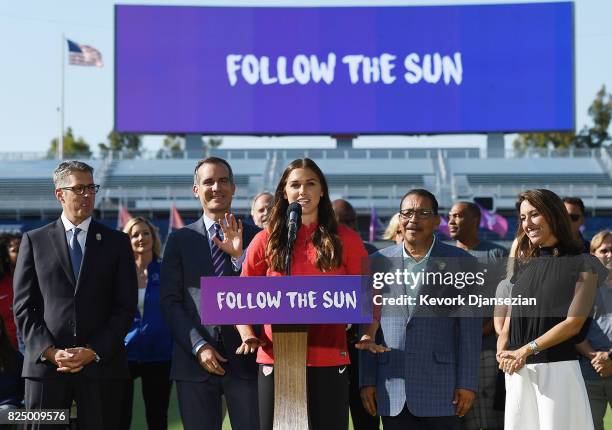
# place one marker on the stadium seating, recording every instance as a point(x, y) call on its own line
point(376, 177)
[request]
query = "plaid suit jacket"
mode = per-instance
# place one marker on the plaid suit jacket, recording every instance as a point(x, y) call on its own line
point(432, 352)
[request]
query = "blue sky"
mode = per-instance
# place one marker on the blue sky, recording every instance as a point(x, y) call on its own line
point(30, 42)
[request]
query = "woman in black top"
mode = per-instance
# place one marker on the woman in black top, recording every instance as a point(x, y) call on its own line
point(544, 385)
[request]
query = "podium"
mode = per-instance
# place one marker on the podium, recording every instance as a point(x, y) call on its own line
point(290, 399)
point(289, 303)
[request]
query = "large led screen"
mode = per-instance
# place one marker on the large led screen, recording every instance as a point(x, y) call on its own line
point(344, 70)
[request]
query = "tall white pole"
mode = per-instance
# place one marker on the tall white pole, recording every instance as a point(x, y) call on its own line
point(60, 142)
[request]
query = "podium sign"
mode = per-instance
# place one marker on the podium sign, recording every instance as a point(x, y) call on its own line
point(289, 303)
point(285, 300)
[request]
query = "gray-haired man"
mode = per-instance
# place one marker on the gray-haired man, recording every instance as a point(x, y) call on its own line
point(75, 296)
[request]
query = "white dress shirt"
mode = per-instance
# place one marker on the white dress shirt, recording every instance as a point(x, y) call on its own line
point(82, 237)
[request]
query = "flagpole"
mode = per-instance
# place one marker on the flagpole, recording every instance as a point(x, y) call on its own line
point(60, 142)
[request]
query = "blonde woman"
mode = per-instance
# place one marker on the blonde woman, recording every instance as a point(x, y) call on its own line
point(148, 342)
point(393, 232)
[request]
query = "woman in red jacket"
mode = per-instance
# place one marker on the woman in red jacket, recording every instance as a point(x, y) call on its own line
point(322, 247)
point(6, 290)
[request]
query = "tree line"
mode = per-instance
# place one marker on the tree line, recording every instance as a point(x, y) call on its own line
point(594, 135)
point(128, 145)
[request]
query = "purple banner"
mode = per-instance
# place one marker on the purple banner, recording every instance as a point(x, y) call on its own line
point(337, 70)
point(285, 300)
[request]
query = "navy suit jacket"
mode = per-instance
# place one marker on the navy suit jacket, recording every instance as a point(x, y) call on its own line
point(432, 352)
point(53, 309)
point(187, 258)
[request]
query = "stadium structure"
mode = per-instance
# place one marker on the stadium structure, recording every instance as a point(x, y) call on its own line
point(368, 178)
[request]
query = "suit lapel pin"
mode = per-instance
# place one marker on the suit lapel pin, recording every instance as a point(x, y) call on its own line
point(98, 237)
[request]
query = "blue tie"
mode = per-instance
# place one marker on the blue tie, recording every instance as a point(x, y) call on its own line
point(218, 259)
point(218, 256)
point(76, 253)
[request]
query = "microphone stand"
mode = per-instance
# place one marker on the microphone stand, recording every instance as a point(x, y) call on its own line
point(290, 242)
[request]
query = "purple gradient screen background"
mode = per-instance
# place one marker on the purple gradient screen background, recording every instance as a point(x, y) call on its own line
point(518, 69)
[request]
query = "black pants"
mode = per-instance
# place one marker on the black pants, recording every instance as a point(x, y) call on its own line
point(327, 392)
point(362, 420)
point(405, 420)
point(156, 387)
point(99, 401)
point(201, 406)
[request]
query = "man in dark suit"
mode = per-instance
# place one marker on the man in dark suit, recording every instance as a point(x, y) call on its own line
point(362, 420)
point(75, 296)
point(204, 364)
point(428, 376)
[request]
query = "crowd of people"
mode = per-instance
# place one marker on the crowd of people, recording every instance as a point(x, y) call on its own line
point(85, 310)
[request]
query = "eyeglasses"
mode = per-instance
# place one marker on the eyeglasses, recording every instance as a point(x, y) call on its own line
point(420, 213)
point(80, 189)
point(574, 217)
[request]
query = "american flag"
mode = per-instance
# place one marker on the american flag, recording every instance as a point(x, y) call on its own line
point(83, 55)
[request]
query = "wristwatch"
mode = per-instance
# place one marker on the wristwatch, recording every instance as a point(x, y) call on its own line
point(535, 349)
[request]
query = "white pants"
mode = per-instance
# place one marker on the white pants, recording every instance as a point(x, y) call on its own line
point(547, 396)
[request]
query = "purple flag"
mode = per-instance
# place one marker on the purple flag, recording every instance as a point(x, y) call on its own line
point(493, 222)
point(443, 227)
point(374, 225)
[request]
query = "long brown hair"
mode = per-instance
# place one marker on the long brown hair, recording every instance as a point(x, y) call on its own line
point(551, 207)
point(325, 238)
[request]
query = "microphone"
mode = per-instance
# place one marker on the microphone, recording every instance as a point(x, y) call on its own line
point(294, 221)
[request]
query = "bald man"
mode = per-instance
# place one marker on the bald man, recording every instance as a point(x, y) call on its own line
point(261, 207)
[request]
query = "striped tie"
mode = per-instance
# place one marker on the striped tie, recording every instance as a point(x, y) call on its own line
point(218, 256)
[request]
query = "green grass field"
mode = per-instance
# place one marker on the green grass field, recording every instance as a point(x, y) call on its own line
point(139, 423)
